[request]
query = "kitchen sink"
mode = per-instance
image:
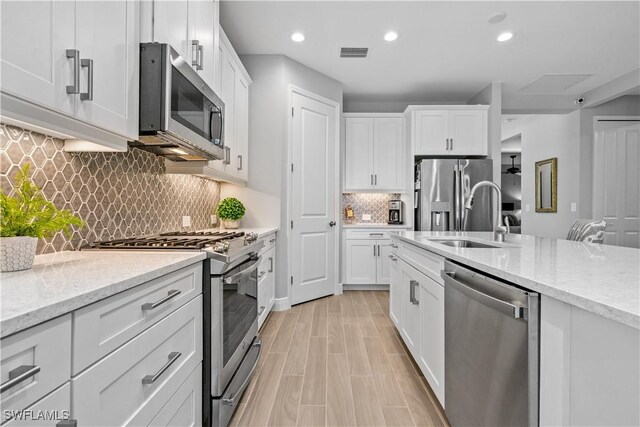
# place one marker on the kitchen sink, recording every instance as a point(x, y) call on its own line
point(463, 243)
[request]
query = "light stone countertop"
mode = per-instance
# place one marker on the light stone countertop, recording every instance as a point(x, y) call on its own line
point(63, 282)
point(260, 231)
point(376, 225)
point(602, 279)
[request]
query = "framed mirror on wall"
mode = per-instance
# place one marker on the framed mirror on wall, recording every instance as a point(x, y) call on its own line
point(547, 185)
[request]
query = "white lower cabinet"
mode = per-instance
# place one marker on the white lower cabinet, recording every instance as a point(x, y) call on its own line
point(367, 257)
point(416, 307)
point(131, 385)
point(267, 279)
point(54, 408)
point(185, 406)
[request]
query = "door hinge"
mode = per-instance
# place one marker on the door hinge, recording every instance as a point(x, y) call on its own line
point(291, 280)
point(291, 111)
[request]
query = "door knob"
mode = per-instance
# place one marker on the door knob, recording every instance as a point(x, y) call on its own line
point(332, 223)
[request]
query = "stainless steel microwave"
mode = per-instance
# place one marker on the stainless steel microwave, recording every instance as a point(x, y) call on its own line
point(181, 117)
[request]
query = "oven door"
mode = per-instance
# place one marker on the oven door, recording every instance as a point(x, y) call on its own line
point(239, 317)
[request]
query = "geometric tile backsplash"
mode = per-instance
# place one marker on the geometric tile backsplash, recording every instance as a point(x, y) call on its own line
point(116, 194)
point(375, 204)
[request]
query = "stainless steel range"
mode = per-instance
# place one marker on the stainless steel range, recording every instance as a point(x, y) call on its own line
point(231, 346)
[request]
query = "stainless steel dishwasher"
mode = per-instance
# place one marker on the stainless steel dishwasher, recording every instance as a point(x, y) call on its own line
point(491, 350)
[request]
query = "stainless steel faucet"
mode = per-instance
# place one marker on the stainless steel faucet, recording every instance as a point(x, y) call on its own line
point(499, 230)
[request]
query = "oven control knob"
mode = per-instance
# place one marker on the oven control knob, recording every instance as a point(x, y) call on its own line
point(250, 237)
point(221, 247)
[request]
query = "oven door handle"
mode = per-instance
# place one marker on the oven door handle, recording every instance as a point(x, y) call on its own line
point(244, 273)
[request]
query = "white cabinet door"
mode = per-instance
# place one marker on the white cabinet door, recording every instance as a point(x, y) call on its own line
point(468, 132)
point(411, 308)
point(388, 154)
point(358, 153)
point(383, 263)
point(59, 400)
point(241, 118)
point(203, 26)
point(229, 78)
point(431, 129)
point(107, 33)
point(185, 406)
point(431, 358)
point(171, 25)
point(361, 262)
point(35, 36)
point(395, 292)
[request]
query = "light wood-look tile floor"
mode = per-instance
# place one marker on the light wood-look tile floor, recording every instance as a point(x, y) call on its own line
point(337, 361)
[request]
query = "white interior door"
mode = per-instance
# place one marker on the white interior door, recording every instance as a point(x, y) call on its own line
point(313, 199)
point(616, 192)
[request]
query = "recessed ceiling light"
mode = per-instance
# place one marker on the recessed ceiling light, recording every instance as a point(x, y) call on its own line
point(505, 36)
point(297, 37)
point(390, 36)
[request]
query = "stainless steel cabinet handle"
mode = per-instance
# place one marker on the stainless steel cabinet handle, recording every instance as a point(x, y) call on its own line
point(74, 54)
point(270, 264)
point(88, 95)
point(272, 240)
point(153, 305)
point(376, 234)
point(68, 423)
point(378, 249)
point(394, 246)
point(262, 309)
point(19, 374)
point(374, 250)
point(150, 379)
point(517, 312)
point(412, 292)
point(239, 162)
point(447, 144)
point(371, 179)
point(375, 179)
point(392, 258)
point(451, 143)
point(231, 400)
point(195, 53)
point(227, 155)
point(261, 275)
point(200, 57)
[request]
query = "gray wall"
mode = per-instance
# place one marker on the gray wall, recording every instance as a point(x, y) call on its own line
point(623, 106)
point(266, 191)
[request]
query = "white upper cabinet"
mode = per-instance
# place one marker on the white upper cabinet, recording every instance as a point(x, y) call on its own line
point(449, 130)
point(374, 153)
point(79, 60)
point(35, 66)
point(106, 36)
point(204, 37)
point(358, 153)
point(241, 104)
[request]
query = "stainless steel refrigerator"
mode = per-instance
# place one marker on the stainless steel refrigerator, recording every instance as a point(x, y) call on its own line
point(443, 185)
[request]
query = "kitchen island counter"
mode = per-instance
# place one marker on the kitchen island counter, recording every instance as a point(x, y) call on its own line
point(602, 279)
point(62, 282)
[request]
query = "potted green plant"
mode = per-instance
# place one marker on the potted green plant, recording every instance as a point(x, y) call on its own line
point(230, 211)
point(26, 217)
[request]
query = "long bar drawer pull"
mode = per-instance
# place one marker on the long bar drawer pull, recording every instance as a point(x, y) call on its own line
point(394, 246)
point(153, 305)
point(150, 379)
point(68, 423)
point(19, 374)
point(392, 258)
point(376, 234)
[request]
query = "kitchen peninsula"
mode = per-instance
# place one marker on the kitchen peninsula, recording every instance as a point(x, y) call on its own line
point(589, 312)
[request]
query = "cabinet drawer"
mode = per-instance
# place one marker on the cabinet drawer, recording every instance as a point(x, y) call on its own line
point(57, 405)
point(269, 242)
point(45, 348)
point(367, 234)
point(427, 262)
point(395, 247)
point(102, 327)
point(185, 406)
point(131, 385)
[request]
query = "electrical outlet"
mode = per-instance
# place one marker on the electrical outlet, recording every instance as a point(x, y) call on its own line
point(366, 217)
point(213, 219)
point(574, 206)
point(527, 207)
point(186, 221)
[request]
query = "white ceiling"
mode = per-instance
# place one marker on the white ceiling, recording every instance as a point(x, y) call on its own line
point(447, 51)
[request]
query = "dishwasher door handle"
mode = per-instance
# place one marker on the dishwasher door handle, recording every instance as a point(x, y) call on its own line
point(517, 311)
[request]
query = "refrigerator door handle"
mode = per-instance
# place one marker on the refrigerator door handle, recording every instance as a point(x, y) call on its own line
point(456, 197)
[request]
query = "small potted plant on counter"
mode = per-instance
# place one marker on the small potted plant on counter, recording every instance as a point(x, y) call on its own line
point(26, 217)
point(230, 211)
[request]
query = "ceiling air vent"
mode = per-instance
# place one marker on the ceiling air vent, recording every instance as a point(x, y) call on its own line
point(354, 52)
point(555, 82)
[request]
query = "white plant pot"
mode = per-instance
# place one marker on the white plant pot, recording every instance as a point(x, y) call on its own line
point(230, 224)
point(17, 253)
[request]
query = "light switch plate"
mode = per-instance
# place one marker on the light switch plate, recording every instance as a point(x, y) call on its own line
point(527, 207)
point(186, 221)
point(213, 219)
point(574, 206)
point(366, 217)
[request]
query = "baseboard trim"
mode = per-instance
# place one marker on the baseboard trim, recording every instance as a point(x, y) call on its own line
point(281, 304)
point(365, 287)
